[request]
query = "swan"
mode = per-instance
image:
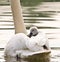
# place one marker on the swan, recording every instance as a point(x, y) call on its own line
point(16, 43)
point(21, 41)
point(34, 41)
point(38, 41)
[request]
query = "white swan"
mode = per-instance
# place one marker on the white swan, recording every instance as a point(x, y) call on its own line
point(21, 42)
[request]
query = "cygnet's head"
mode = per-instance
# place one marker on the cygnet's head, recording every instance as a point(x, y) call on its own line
point(33, 31)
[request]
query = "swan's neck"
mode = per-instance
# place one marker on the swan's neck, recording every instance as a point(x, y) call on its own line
point(17, 16)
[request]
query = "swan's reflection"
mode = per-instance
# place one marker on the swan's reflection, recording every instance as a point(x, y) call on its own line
point(35, 58)
point(14, 60)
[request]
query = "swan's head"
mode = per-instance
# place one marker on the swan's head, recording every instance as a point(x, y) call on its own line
point(33, 31)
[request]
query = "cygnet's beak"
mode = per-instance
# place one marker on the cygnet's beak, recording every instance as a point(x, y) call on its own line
point(30, 35)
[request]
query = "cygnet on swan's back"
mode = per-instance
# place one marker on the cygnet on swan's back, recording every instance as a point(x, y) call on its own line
point(39, 40)
point(36, 42)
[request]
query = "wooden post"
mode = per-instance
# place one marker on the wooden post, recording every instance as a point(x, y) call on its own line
point(17, 17)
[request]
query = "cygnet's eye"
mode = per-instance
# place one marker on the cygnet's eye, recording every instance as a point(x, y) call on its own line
point(32, 30)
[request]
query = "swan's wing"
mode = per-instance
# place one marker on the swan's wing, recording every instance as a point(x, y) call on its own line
point(32, 45)
point(28, 53)
point(42, 38)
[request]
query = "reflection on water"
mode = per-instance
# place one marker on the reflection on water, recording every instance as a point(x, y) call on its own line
point(11, 60)
point(34, 58)
point(21, 60)
point(54, 57)
point(30, 2)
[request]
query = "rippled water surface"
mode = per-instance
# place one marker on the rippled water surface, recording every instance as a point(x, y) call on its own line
point(45, 16)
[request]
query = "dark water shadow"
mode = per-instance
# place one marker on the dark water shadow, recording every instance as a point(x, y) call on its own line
point(29, 60)
point(34, 58)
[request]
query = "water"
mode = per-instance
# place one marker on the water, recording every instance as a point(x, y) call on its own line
point(46, 17)
point(54, 57)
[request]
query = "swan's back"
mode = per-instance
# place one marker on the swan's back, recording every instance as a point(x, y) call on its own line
point(17, 42)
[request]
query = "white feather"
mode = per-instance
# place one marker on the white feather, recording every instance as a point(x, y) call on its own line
point(36, 42)
point(17, 42)
point(22, 42)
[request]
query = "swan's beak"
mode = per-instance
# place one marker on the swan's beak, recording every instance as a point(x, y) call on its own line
point(30, 35)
